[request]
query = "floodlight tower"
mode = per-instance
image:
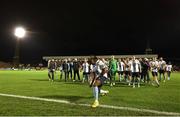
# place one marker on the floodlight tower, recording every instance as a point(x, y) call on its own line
point(20, 33)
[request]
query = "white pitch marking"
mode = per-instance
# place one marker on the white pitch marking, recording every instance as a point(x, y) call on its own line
point(102, 106)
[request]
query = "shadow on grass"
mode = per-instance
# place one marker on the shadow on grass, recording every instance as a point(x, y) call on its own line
point(39, 80)
point(122, 84)
point(70, 98)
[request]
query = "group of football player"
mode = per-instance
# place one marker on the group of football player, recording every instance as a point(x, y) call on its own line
point(97, 71)
point(130, 70)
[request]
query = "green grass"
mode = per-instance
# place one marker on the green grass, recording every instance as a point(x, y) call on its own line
point(35, 83)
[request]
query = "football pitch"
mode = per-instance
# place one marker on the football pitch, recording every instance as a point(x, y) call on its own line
point(30, 93)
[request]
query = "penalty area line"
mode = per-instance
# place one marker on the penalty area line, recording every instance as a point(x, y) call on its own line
point(88, 105)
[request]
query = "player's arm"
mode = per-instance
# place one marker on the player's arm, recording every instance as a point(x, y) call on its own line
point(48, 63)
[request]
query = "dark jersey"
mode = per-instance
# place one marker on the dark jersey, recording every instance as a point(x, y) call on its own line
point(76, 66)
point(52, 65)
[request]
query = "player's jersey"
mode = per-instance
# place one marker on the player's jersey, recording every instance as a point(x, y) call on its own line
point(85, 67)
point(154, 66)
point(100, 64)
point(113, 65)
point(126, 66)
point(51, 65)
point(135, 66)
point(162, 65)
point(168, 67)
point(120, 66)
point(98, 68)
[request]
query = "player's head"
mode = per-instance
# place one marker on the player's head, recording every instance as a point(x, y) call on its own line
point(161, 59)
point(119, 60)
point(75, 59)
point(133, 58)
point(112, 57)
point(154, 59)
point(145, 59)
point(94, 60)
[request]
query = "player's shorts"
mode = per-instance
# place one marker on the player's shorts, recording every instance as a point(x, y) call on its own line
point(102, 79)
point(120, 72)
point(112, 73)
point(129, 73)
point(161, 71)
point(51, 70)
point(86, 73)
point(135, 74)
point(154, 74)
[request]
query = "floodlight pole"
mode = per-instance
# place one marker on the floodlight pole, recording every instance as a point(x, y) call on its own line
point(17, 51)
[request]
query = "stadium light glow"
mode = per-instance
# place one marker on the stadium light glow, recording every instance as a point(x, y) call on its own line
point(20, 32)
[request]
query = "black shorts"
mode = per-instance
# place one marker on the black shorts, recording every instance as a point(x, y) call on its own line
point(128, 73)
point(161, 71)
point(102, 79)
point(154, 74)
point(135, 74)
point(120, 72)
point(86, 73)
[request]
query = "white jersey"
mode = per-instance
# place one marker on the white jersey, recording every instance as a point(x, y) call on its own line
point(99, 66)
point(162, 65)
point(135, 66)
point(154, 66)
point(120, 66)
point(127, 66)
point(168, 67)
point(85, 67)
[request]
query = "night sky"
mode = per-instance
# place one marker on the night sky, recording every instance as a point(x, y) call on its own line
point(87, 27)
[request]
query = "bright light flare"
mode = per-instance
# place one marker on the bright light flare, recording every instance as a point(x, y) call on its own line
point(20, 32)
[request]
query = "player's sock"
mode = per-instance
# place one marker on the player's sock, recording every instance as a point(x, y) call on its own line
point(96, 92)
point(83, 79)
point(160, 78)
point(157, 82)
point(138, 85)
point(133, 85)
point(49, 76)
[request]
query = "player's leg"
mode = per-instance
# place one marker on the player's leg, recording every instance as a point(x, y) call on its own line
point(164, 76)
point(78, 75)
point(114, 77)
point(49, 74)
point(160, 75)
point(66, 76)
point(111, 78)
point(52, 75)
point(74, 76)
point(71, 74)
point(138, 79)
point(153, 80)
point(96, 93)
point(156, 79)
point(133, 79)
point(168, 74)
point(147, 77)
point(129, 77)
point(119, 75)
